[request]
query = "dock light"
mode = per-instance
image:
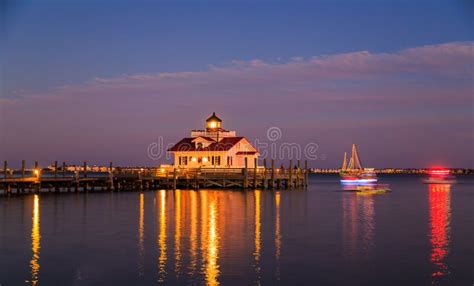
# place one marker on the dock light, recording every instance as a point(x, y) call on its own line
point(204, 160)
point(213, 124)
point(194, 159)
point(36, 171)
point(162, 170)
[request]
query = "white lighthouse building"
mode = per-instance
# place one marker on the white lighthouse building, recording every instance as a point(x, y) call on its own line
point(213, 147)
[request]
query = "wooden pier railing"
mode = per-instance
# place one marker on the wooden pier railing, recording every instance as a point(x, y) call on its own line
point(59, 179)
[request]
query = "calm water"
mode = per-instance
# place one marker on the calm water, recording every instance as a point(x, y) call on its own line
point(417, 235)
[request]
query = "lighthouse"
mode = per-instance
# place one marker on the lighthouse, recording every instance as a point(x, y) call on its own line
point(213, 147)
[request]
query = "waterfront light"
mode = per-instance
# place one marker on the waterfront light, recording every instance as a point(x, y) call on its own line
point(204, 159)
point(213, 124)
point(36, 172)
point(194, 159)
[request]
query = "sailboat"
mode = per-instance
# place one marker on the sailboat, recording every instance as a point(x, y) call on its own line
point(353, 172)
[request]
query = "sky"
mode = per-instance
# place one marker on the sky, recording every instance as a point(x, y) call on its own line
point(106, 80)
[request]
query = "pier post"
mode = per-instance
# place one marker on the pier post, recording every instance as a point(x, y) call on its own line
point(174, 179)
point(290, 175)
point(38, 186)
point(245, 183)
point(55, 169)
point(298, 169)
point(273, 175)
point(85, 169)
point(64, 169)
point(5, 167)
point(255, 173)
point(111, 177)
point(305, 173)
point(22, 169)
point(264, 181)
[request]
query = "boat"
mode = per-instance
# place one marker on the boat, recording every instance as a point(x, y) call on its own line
point(353, 173)
point(439, 176)
point(373, 189)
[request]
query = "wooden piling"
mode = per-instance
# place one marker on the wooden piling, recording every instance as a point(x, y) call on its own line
point(298, 170)
point(64, 169)
point(305, 173)
point(5, 168)
point(174, 179)
point(55, 169)
point(111, 177)
point(290, 175)
point(264, 180)
point(272, 182)
point(255, 162)
point(245, 183)
point(85, 169)
point(22, 169)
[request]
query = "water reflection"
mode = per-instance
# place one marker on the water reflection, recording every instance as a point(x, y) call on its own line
point(358, 224)
point(161, 201)
point(35, 242)
point(193, 234)
point(440, 217)
point(277, 235)
point(177, 233)
point(258, 241)
point(141, 232)
point(212, 254)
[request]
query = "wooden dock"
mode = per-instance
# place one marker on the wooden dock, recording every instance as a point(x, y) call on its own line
point(59, 179)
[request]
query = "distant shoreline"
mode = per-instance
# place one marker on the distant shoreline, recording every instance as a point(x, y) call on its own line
point(459, 171)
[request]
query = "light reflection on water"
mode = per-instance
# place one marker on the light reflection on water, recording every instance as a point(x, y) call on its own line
point(161, 201)
point(215, 237)
point(141, 235)
point(35, 242)
point(358, 224)
point(258, 241)
point(277, 236)
point(440, 218)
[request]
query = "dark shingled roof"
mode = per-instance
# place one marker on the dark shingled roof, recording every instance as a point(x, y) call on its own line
point(186, 144)
point(214, 117)
point(246, 153)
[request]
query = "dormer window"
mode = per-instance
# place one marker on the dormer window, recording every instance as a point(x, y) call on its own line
point(199, 145)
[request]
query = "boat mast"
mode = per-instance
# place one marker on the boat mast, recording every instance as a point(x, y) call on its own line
point(344, 163)
point(355, 158)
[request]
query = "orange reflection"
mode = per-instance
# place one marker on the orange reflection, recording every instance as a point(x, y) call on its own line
point(35, 242)
point(212, 268)
point(162, 236)
point(193, 234)
point(440, 216)
point(141, 232)
point(258, 242)
point(277, 235)
point(177, 234)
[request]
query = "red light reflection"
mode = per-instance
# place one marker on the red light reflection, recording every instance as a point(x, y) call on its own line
point(440, 215)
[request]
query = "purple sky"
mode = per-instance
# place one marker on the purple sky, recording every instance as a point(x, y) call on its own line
point(409, 106)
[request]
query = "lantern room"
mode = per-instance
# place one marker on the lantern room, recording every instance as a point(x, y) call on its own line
point(213, 123)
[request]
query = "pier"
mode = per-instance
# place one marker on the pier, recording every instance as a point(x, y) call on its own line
point(60, 179)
